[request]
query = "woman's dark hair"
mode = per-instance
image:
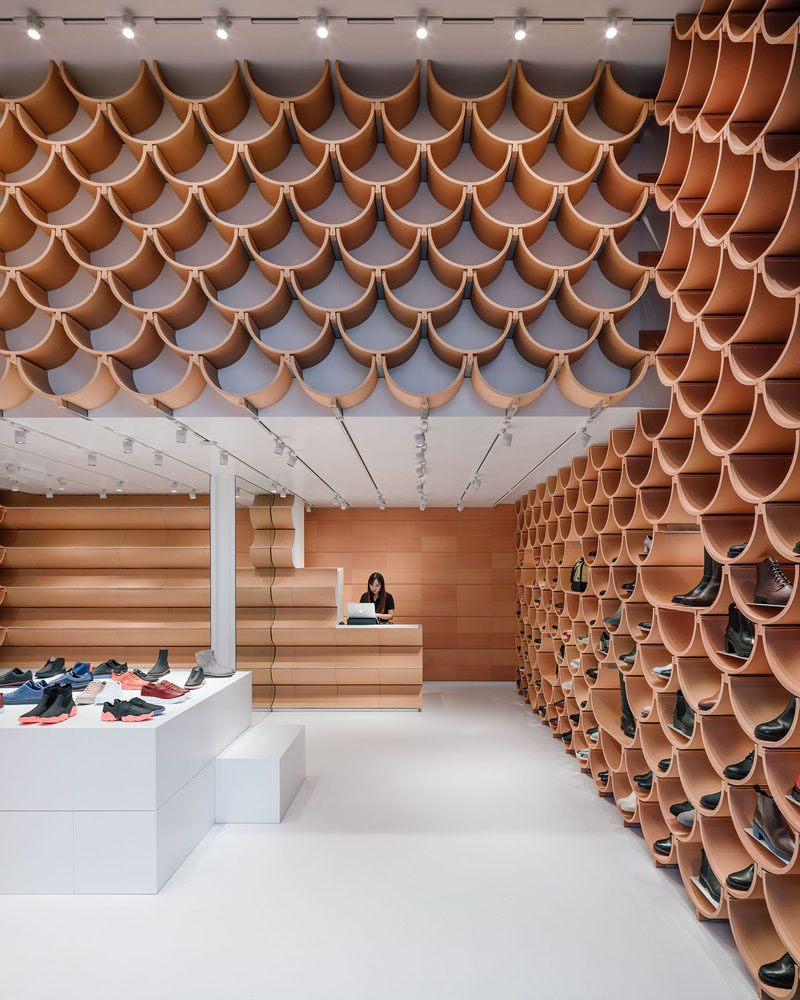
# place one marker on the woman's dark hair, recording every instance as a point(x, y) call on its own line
point(380, 600)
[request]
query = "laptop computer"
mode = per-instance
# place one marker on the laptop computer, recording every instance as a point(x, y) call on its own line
point(361, 614)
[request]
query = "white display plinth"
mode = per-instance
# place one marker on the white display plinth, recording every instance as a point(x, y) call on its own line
point(108, 807)
point(259, 774)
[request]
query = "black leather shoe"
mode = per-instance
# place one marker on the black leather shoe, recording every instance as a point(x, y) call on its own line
point(707, 591)
point(683, 716)
point(740, 770)
point(575, 717)
point(708, 879)
point(614, 619)
point(664, 846)
point(629, 658)
point(642, 777)
point(566, 737)
point(197, 679)
point(627, 722)
point(736, 550)
point(645, 782)
point(710, 801)
point(680, 807)
point(630, 587)
point(700, 587)
point(776, 729)
point(663, 764)
point(53, 668)
point(591, 672)
point(602, 776)
point(109, 667)
point(780, 973)
point(542, 710)
point(741, 880)
point(584, 703)
point(740, 634)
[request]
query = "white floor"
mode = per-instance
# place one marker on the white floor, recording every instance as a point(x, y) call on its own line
point(453, 853)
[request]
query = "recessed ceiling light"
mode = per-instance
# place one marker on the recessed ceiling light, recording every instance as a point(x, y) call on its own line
point(612, 29)
point(128, 26)
point(223, 27)
point(520, 30)
point(322, 26)
point(422, 26)
point(34, 26)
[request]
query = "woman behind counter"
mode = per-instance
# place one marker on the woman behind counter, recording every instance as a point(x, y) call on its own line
point(376, 594)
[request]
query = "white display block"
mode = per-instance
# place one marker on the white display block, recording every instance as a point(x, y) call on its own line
point(259, 774)
point(110, 807)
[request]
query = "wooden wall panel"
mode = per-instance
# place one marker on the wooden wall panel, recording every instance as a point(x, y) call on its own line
point(450, 571)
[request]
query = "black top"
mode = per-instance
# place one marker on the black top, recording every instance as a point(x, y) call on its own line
point(369, 599)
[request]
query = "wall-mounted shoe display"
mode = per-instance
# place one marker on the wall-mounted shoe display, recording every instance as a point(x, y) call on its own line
point(663, 846)
point(772, 587)
point(741, 880)
point(683, 716)
point(706, 591)
point(54, 667)
point(781, 973)
point(770, 828)
point(740, 770)
point(779, 727)
point(708, 879)
point(14, 678)
point(740, 634)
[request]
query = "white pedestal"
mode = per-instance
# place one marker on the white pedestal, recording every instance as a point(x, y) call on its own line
point(258, 776)
point(107, 807)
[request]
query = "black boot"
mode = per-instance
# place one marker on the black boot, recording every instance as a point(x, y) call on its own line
point(160, 668)
point(779, 973)
point(627, 721)
point(740, 634)
point(683, 716)
point(777, 728)
point(709, 880)
point(741, 880)
point(707, 561)
point(664, 846)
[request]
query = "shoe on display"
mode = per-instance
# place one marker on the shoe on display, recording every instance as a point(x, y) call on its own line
point(602, 776)
point(663, 764)
point(628, 804)
point(683, 716)
point(575, 663)
point(80, 676)
point(61, 708)
point(593, 734)
point(664, 846)
point(29, 694)
point(582, 754)
point(780, 973)
point(648, 544)
point(575, 718)
point(770, 828)
point(605, 641)
point(167, 691)
point(710, 801)
point(794, 793)
point(679, 807)
point(124, 711)
point(112, 691)
point(54, 667)
point(109, 667)
point(665, 671)
point(708, 879)
point(584, 703)
point(776, 729)
point(740, 634)
point(736, 550)
point(566, 686)
point(92, 693)
point(591, 673)
point(705, 593)
point(129, 681)
point(566, 737)
point(627, 722)
point(148, 706)
point(629, 586)
point(614, 619)
point(686, 818)
point(740, 770)
point(196, 679)
point(160, 668)
point(15, 678)
point(741, 880)
point(32, 717)
point(582, 638)
point(645, 626)
point(558, 704)
point(772, 587)
point(211, 668)
point(629, 658)
point(645, 781)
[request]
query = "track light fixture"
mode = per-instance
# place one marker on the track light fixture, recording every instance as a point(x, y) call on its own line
point(291, 459)
point(91, 459)
point(322, 25)
point(422, 26)
point(103, 495)
point(158, 458)
point(273, 488)
point(506, 439)
point(308, 508)
point(127, 446)
point(223, 458)
point(180, 435)
point(382, 504)
point(128, 26)
point(48, 493)
point(20, 435)
point(223, 27)
point(280, 447)
point(237, 493)
point(612, 27)
point(173, 487)
point(193, 493)
point(283, 491)
point(61, 485)
point(476, 484)
point(15, 487)
point(343, 505)
point(419, 440)
point(119, 487)
point(460, 505)
point(422, 505)
point(520, 27)
point(34, 26)
point(336, 500)
point(584, 436)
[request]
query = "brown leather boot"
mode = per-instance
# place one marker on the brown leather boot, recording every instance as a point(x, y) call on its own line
point(771, 828)
point(772, 587)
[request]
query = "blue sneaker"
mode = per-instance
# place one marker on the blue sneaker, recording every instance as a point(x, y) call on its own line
point(79, 677)
point(29, 694)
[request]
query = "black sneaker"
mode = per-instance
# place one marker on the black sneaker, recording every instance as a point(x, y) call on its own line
point(125, 711)
point(108, 668)
point(53, 668)
point(148, 706)
point(197, 679)
point(160, 668)
point(33, 715)
point(15, 678)
point(62, 707)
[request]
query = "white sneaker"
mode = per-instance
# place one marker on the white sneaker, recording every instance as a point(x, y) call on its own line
point(583, 754)
point(665, 671)
point(628, 804)
point(575, 663)
point(91, 694)
point(113, 692)
point(566, 686)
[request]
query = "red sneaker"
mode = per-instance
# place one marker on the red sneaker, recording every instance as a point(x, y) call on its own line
point(165, 690)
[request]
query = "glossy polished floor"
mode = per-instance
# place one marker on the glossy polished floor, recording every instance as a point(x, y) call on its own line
point(424, 854)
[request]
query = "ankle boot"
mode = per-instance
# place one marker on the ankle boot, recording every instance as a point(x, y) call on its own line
point(683, 716)
point(779, 973)
point(160, 668)
point(740, 635)
point(771, 828)
point(707, 562)
point(772, 587)
point(627, 721)
point(777, 728)
point(708, 879)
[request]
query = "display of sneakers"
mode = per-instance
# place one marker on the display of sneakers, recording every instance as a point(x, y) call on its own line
point(113, 691)
point(125, 711)
point(80, 676)
point(109, 667)
point(582, 754)
point(56, 705)
point(211, 668)
point(593, 734)
point(164, 691)
point(15, 678)
point(29, 694)
point(129, 681)
point(160, 668)
point(575, 663)
point(91, 693)
point(53, 667)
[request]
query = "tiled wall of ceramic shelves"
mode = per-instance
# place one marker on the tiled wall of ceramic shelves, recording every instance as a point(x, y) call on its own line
point(719, 467)
point(154, 243)
point(91, 579)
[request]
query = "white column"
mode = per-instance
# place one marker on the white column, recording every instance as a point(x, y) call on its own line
point(223, 566)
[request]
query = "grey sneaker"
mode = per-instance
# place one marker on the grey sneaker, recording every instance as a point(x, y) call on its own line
point(90, 694)
point(209, 665)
